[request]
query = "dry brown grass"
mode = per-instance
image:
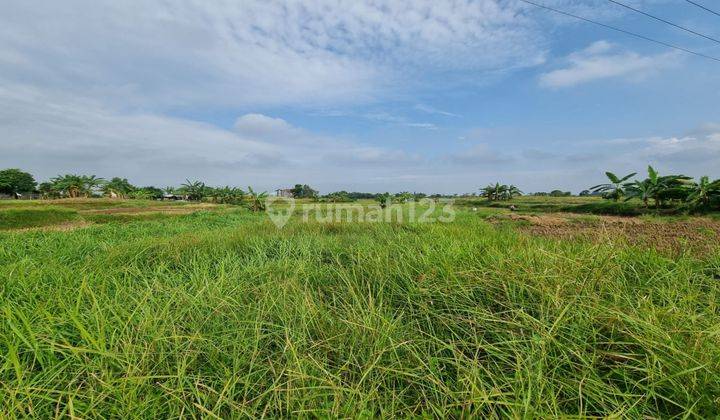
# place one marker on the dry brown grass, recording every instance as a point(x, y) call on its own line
point(695, 235)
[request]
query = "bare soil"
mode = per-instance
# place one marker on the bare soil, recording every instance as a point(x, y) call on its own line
point(61, 227)
point(189, 208)
point(696, 235)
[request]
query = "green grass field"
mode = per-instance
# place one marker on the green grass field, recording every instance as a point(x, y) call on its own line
point(214, 312)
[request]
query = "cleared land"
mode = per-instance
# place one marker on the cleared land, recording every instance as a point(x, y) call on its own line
point(177, 309)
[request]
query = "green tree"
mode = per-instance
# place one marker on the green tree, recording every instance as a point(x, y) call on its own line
point(146, 193)
point(119, 187)
point(666, 187)
point(257, 201)
point(69, 185)
point(560, 193)
point(405, 197)
point(702, 193)
point(615, 188)
point(304, 191)
point(642, 190)
point(195, 190)
point(339, 197)
point(494, 192)
point(385, 199)
point(48, 190)
point(14, 181)
point(228, 195)
point(511, 191)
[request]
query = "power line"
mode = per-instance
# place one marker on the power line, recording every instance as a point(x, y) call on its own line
point(614, 28)
point(665, 21)
point(703, 7)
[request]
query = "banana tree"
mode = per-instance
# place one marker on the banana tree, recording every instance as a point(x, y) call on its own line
point(228, 195)
point(703, 192)
point(642, 190)
point(511, 191)
point(667, 187)
point(494, 192)
point(257, 200)
point(119, 187)
point(194, 190)
point(69, 185)
point(488, 192)
point(91, 183)
point(615, 189)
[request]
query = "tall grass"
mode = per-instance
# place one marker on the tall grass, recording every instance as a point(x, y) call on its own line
point(221, 315)
point(17, 218)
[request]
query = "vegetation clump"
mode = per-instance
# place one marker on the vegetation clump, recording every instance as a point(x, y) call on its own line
point(677, 190)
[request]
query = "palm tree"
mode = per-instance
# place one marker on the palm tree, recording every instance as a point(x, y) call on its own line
point(615, 189)
point(257, 200)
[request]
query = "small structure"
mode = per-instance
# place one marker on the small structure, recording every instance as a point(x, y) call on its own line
point(285, 192)
point(172, 197)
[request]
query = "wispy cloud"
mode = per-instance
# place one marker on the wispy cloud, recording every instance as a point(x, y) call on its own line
point(388, 118)
point(602, 60)
point(431, 110)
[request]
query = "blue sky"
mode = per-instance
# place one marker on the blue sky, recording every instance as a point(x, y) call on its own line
point(434, 96)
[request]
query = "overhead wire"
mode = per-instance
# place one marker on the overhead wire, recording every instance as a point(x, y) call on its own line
point(659, 19)
point(703, 7)
point(624, 31)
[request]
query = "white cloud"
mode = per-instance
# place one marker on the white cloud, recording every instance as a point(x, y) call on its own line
point(88, 86)
point(383, 117)
point(261, 126)
point(189, 53)
point(684, 150)
point(601, 60)
point(432, 110)
point(54, 134)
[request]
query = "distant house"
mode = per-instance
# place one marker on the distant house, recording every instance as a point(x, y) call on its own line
point(173, 197)
point(286, 192)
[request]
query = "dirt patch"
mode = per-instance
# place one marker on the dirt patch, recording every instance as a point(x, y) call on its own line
point(61, 227)
point(696, 235)
point(154, 209)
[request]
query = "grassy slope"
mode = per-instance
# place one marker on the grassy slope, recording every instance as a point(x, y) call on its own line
point(225, 314)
